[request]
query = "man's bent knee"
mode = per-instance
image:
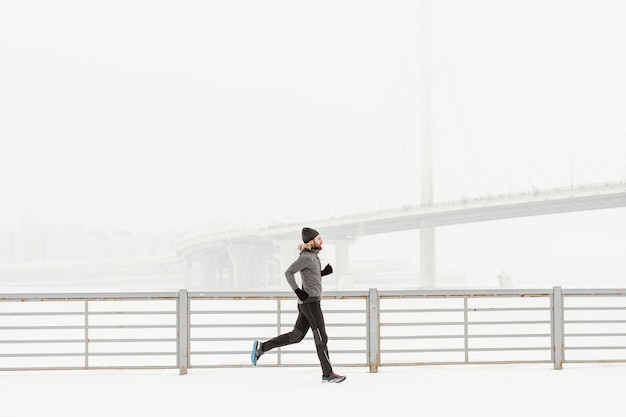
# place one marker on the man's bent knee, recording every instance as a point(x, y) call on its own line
point(296, 336)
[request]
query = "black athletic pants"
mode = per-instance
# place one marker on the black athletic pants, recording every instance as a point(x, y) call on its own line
point(309, 316)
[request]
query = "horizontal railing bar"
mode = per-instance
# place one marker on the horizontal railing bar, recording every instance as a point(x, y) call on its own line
point(272, 325)
point(47, 341)
point(243, 339)
point(507, 335)
point(442, 363)
point(240, 312)
point(521, 361)
point(273, 295)
point(595, 334)
point(276, 365)
point(422, 337)
point(503, 349)
point(131, 326)
point(594, 321)
point(430, 323)
point(132, 353)
point(132, 367)
point(80, 354)
point(594, 308)
point(27, 341)
point(460, 336)
point(248, 325)
point(159, 340)
point(595, 347)
point(82, 368)
point(480, 323)
point(73, 327)
point(388, 294)
point(510, 349)
point(422, 350)
point(132, 313)
point(219, 339)
point(421, 310)
point(268, 312)
point(43, 313)
point(581, 361)
point(290, 353)
point(79, 327)
point(82, 313)
point(40, 355)
point(89, 296)
point(460, 323)
point(457, 310)
point(596, 292)
point(522, 309)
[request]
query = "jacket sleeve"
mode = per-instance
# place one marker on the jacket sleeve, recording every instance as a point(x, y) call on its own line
point(290, 273)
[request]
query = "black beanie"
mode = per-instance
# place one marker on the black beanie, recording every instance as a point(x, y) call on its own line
point(308, 234)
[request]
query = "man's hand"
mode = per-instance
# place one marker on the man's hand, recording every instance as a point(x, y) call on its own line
point(327, 270)
point(302, 295)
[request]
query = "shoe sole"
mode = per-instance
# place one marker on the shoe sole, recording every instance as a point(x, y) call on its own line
point(334, 381)
point(255, 344)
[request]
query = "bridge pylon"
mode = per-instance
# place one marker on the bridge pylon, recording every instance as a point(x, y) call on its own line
point(427, 258)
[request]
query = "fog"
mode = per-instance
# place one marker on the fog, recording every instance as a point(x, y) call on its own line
point(174, 118)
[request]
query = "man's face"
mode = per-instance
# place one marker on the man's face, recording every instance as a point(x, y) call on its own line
point(317, 242)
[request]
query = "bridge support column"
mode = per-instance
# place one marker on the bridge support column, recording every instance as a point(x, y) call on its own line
point(248, 265)
point(428, 267)
point(342, 257)
point(212, 264)
point(251, 263)
point(428, 277)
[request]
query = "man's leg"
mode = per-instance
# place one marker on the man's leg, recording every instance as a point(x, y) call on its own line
point(300, 328)
point(313, 312)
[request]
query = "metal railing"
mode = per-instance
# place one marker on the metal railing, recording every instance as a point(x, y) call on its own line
point(185, 330)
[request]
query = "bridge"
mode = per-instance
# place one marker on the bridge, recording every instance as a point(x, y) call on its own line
point(242, 258)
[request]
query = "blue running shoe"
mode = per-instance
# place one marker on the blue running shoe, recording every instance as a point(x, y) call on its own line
point(257, 351)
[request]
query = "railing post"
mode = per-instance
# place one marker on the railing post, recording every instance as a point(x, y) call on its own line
point(86, 334)
point(557, 328)
point(373, 330)
point(465, 330)
point(183, 332)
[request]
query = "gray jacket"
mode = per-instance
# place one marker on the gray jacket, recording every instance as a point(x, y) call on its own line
point(310, 268)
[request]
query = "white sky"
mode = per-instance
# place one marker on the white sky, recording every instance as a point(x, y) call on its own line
point(146, 115)
point(518, 391)
point(183, 115)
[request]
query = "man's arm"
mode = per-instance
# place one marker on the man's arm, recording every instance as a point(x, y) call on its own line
point(290, 273)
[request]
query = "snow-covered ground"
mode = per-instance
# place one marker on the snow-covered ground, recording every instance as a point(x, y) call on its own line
point(489, 390)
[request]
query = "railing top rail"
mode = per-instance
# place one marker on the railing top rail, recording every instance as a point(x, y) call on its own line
point(288, 295)
point(595, 292)
point(264, 295)
point(467, 293)
point(88, 296)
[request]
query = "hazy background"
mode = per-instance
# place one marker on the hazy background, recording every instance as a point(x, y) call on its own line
point(175, 117)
